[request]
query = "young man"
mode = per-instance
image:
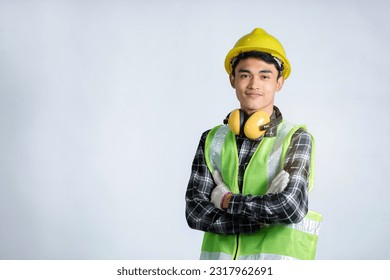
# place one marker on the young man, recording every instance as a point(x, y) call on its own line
point(250, 179)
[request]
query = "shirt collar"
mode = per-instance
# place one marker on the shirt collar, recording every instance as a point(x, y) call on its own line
point(272, 131)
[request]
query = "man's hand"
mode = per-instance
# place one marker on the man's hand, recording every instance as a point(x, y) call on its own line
point(279, 183)
point(220, 191)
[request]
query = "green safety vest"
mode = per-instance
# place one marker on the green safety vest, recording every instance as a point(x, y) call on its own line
point(278, 241)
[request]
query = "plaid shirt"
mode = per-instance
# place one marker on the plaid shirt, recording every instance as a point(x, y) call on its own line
point(248, 213)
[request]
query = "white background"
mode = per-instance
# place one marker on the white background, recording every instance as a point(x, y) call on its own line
point(102, 104)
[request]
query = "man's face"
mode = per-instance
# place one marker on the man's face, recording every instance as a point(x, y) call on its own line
point(255, 83)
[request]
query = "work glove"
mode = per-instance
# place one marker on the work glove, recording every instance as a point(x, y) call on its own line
point(279, 183)
point(220, 191)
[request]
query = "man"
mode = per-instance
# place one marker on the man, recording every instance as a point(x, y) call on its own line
point(250, 179)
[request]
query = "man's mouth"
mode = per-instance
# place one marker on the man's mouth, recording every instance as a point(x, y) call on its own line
point(254, 94)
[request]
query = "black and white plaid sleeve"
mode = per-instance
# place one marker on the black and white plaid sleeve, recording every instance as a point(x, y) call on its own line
point(289, 206)
point(201, 214)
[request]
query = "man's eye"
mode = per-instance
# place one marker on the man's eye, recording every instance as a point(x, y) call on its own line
point(265, 77)
point(244, 76)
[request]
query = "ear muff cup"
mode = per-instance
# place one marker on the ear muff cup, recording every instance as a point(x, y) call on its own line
point(242, 124)
point(252, 126)
point(236, 121)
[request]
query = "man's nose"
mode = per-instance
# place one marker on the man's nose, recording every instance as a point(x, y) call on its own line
point(254, 83)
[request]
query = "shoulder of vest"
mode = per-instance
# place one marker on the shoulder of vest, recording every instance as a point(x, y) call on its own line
point(287, 130)
point(291, 127)
point(217, 127)
point(212, 131)
point(289, 124)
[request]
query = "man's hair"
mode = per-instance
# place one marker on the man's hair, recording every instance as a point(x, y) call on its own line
point(266, 57)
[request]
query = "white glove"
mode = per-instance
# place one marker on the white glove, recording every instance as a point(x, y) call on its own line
point(279, 183)
point(219, 191)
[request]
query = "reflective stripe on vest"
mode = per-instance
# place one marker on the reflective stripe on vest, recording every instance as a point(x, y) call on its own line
point(222, 256)
point(294, 241)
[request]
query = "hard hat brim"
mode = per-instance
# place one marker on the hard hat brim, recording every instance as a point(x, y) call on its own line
point(237, 50)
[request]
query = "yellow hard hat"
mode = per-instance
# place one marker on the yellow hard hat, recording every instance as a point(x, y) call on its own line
point(259, 40)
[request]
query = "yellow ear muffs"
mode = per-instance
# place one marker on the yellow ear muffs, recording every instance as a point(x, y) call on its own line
point(252, 128)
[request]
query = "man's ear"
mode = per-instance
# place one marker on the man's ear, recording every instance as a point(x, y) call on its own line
point(280, 83)
point(232, 82)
